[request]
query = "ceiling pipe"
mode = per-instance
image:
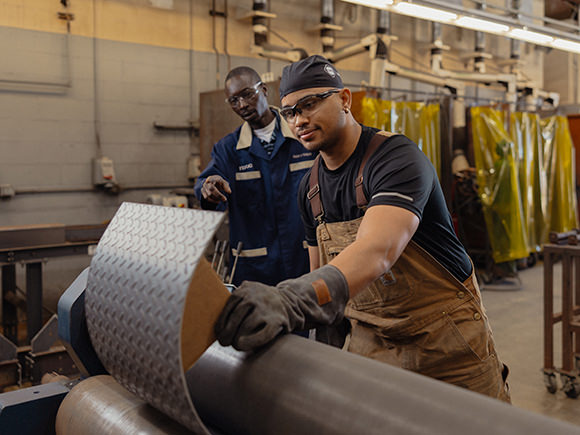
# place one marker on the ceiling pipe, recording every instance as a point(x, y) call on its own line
point(353, 49)
point(260, 23)
point(373, 43)
point(381, 54)
point(326, 32)
point(515, 45)
point(479, 59)
point(383, 22)
point(261, 46)
point(437, 48)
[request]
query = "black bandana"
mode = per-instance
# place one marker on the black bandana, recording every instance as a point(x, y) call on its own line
point(312, 72)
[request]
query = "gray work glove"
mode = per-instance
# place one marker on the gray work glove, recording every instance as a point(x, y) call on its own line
point(256, 313)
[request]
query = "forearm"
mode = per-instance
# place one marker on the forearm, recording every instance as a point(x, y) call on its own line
point(362, 262)
point(377, 246)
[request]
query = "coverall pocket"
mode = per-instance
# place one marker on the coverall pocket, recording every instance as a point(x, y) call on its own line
point(250, 191)
point(386, 290)
point(468, 325)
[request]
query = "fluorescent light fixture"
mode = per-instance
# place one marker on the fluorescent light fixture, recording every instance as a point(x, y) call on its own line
point(565, 44)
point(533, 37)
point(424, 12)
point(378, 4)
point(468, 20)
point(481, 25)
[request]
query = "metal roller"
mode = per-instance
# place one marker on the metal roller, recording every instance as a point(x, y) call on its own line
point(299, 386)
point(99, 405)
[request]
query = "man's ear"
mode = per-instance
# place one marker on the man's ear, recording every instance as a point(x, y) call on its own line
point(346, 97)
point(265, 89)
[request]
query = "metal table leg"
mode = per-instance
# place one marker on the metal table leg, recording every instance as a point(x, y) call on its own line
point(550, 380)
point(567, 365)
point(548, 311)
point(575, 306)
point(569, 384)
point(9, 311)
point(33, 298)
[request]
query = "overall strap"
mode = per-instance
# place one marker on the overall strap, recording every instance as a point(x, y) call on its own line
point(378, 139)
point(313, 194)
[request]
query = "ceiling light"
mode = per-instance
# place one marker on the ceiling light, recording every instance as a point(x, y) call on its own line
point(528, 36)
point(380, 4)
point(424, 12)
point(567, 45)
point(481, 25)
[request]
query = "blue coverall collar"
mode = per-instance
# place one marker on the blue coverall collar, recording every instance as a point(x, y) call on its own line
point(245, 140)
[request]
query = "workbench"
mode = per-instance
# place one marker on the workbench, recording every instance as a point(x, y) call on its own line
point(32, 245)
point(569, 317)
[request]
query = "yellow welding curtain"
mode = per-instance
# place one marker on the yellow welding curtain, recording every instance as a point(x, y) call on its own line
point(498, 180)
point(526, 133)
point(418, 121)
point(561, 214)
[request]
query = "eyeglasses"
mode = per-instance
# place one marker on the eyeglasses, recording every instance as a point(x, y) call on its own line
point(246, 94)
point(306, 105)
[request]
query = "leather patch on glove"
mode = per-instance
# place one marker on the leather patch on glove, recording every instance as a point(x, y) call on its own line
point(322, 292)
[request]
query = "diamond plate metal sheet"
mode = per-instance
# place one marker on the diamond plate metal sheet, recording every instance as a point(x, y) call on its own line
point(135, 298)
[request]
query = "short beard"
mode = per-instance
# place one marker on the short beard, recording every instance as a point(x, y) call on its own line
point(322, 146)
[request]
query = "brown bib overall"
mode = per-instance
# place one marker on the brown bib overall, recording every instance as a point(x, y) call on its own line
point(417, 316)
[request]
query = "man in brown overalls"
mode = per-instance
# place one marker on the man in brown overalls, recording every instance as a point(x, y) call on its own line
point(389, 279)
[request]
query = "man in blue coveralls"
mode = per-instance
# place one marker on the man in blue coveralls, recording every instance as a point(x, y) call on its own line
point(255, 172)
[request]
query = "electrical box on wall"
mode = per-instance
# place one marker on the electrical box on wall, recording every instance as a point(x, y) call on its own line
point(7, 191)
point(103, 172)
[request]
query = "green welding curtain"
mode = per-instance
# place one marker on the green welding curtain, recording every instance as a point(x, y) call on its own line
point(526, 132)
point(418, 121)
point(561, 209)
point(497, 172)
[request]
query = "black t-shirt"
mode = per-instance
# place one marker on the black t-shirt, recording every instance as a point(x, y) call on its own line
point(397, 174)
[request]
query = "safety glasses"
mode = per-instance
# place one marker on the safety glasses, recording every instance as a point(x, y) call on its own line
point(306, 105)
point(246, 94)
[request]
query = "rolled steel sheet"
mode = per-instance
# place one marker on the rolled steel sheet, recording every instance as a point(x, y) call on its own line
point(298, 386)
point(136, 292)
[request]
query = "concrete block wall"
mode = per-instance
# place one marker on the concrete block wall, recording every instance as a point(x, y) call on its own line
point(49, 131)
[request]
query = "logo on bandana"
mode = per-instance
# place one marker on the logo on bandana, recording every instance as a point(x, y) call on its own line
point(330, 71)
